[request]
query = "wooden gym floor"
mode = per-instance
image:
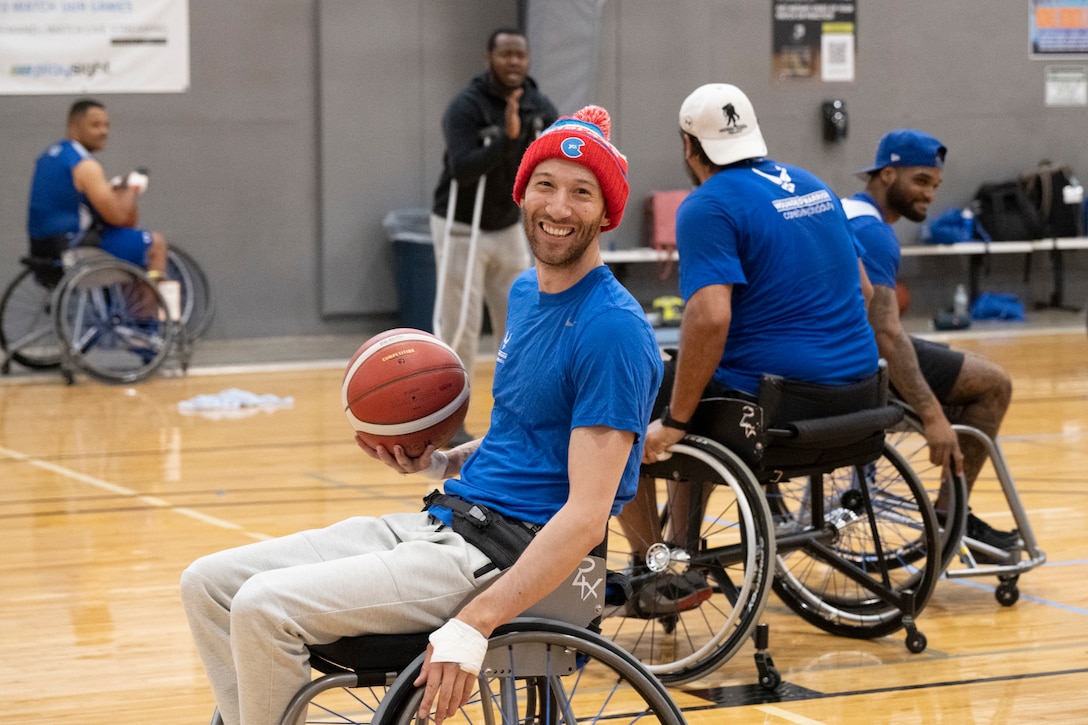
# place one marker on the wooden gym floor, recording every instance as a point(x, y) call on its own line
point(108, 492)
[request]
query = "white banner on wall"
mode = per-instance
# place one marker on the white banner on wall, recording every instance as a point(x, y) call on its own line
point(94, 46)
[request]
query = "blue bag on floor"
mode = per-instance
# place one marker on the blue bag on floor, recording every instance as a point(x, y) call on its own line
point(994, 306)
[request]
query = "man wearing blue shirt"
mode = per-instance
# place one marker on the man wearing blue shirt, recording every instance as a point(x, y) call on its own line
point(575, 378)
point(771, 280)
point(901, 183)
point(72, 203)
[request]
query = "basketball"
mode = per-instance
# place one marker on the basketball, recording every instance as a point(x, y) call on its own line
point(405, 387)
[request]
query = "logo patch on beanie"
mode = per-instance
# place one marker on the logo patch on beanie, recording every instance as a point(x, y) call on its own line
point(572, 147)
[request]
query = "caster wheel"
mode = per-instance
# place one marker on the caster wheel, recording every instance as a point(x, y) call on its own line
point(916, 642)
point(1007, 594)
point(771, 679)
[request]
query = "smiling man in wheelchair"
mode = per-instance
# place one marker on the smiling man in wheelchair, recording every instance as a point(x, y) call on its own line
point(73, 204)
point(561, 456)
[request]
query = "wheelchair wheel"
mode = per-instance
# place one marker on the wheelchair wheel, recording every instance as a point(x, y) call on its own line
point(908, 440)
point(112, 321)
point(726, 544)
point(544, 672)
point(27, 333)
point(197, 306)
point(864, 568)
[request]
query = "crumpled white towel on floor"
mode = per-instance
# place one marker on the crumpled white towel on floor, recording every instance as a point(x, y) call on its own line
point(233, 399)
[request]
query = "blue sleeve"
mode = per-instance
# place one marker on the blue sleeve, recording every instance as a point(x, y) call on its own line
point(617, 374)
point(880, 250)
point(707, 242)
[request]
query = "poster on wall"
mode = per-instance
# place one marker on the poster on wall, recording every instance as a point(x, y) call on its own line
point(1058, 28)
point(813, 40)
point(94, 46)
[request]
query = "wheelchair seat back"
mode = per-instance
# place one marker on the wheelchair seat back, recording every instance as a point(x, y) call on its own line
point(735, 423)
point(44, 260)
point(814, 428)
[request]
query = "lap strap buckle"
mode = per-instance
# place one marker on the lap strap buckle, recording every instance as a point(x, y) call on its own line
point(502, 539)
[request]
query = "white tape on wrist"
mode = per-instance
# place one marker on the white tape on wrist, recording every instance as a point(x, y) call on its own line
point(437, 470)
point(137, 181)
point(457, 642)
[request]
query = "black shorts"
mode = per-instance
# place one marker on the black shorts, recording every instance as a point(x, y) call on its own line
point(940, 366)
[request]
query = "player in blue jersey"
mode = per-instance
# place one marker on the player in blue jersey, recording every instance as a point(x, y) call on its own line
point(576, 374)
point(771, 279)
point(72, 203)
point(927, 375)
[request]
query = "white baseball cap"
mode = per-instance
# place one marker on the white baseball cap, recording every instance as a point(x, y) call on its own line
point(723, 120)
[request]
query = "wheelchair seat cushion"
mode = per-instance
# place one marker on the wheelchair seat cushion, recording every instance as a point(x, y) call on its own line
point(373, 654)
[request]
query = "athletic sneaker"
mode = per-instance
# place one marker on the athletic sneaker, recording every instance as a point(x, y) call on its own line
point(655, 595)
point(981, 531)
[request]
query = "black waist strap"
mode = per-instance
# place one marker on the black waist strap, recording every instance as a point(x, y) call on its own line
point(499, 537)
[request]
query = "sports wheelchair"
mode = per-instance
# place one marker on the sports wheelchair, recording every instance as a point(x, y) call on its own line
point(547, 667)
point(974, 557)
point(83, 309)
point(801, 480)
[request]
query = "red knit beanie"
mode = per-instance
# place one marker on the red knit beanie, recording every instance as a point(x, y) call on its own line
point(583, 139)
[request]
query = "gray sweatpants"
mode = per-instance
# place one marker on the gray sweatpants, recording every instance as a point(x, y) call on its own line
point(501, 256)
point(252, 609)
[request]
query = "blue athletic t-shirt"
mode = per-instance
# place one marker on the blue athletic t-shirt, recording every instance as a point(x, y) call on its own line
point(55, 205)
point(583, 357)
point(779, 236)
point(880, 251)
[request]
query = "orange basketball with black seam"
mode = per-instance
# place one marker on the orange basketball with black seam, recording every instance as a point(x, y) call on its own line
point(405, 387)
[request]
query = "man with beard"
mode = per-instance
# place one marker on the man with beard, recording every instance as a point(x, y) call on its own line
point(503, 107)
point(574, 381)
point(772, 283)
point(928, 376)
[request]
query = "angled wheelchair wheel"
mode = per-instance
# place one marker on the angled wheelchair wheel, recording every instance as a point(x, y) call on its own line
point(857, 548)
point(197, 306)
point(723, 545)
point(112, 322)
point(27, 333)
point(543, 672)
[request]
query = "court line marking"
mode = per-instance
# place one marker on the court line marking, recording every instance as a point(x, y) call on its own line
point(787, 715)
point(153, 501)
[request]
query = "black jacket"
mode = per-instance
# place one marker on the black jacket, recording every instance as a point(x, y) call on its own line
point(477, 111)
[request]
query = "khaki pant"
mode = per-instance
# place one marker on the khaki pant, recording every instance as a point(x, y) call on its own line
point(500, 257)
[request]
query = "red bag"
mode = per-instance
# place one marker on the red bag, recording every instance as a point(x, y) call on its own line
point(661, 209)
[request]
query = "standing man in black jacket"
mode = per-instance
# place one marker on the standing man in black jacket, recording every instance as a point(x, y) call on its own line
point(487, 128)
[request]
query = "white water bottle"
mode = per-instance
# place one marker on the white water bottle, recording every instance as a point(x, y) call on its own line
point(967, 224)
point(171, 294)
point(959, 301)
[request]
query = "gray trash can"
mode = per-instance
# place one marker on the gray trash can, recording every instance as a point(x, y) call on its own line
point(413, 257)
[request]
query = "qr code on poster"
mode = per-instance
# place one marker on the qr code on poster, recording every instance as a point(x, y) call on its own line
point(837, 57)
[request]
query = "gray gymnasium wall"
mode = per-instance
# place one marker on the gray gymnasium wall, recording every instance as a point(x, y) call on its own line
point(308, 120)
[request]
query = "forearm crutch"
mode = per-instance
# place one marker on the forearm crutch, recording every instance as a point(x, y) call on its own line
point(444, 261)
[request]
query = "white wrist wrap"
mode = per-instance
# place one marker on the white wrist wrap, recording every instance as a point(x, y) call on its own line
point(457, 642)
point(138, 181)
point(437, 470)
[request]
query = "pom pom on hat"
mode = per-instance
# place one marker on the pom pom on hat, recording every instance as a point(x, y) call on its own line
point(584, 139)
